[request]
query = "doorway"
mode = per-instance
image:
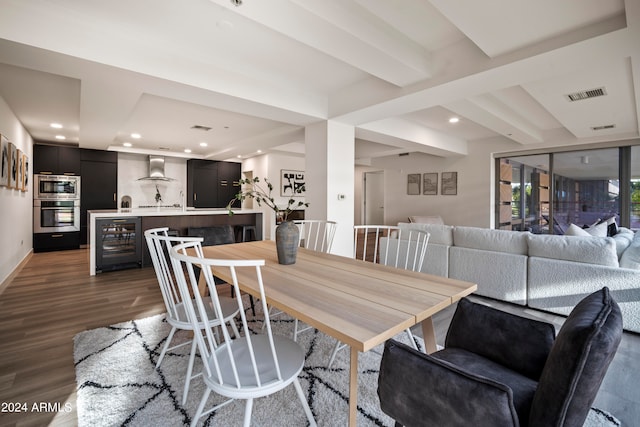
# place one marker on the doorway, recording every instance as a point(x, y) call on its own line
point(374, 198)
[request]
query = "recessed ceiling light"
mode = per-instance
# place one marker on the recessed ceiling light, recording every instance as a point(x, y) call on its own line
point(239, 156)
point(56, 125)
point(187, 150)
point(259, 151)
point(61, 137)
point(203, 144)
point(127, 144)
point(136, 136)
point(454, 120)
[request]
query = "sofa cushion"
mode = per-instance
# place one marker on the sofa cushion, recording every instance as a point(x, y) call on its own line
point(439, 234)
point(491, 240)
point(591, 250)
point(631, 256)
point(578, 362)
point(426, 219)
point(623, 239)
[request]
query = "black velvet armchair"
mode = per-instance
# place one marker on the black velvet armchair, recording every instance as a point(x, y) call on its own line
point(499, 369)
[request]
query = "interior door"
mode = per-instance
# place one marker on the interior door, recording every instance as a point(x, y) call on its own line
point(374, 198)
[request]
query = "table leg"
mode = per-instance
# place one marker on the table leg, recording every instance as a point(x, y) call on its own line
point(429, 335)
point(353, 387)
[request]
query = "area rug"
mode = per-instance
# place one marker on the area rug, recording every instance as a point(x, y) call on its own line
point(118, 385)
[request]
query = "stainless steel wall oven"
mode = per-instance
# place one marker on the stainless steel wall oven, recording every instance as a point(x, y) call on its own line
point(56, 216)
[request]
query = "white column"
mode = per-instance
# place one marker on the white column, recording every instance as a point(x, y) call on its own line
point(329, 179)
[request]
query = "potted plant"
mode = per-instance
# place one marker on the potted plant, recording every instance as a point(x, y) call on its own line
point(287, 233)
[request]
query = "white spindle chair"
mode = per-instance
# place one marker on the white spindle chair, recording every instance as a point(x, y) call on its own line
point(388, 245)
point(250, 366)
point(315, 235)
point(159, 244)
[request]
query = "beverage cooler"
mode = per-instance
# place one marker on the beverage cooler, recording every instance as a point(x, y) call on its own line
point(118, 243)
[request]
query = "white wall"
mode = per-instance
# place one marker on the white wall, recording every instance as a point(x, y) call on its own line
point(16, 207)
point(269, 166)
point(131, 167)
point(472, 206)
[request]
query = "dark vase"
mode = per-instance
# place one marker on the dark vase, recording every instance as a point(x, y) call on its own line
point(287, 241)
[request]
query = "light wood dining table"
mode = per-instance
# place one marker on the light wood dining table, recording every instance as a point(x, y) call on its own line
point(360, 303)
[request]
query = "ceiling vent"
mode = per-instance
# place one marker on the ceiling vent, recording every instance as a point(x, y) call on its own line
point(202, 128)
point(603, 127)
point(586, 94)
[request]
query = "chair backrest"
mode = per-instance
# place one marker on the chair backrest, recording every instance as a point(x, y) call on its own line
point(159, 244)
point(316, 235)
point(391, 245)
point(232, 364)
point(578, 362)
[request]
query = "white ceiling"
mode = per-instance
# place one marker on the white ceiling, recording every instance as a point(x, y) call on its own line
point(258, 73)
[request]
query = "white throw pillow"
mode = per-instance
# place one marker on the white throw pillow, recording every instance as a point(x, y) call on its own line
point(574, 230)
point(426, 220)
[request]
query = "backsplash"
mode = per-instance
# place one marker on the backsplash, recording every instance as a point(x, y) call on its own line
point(131, 167)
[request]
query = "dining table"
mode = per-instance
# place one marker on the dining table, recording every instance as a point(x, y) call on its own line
point(360, 303)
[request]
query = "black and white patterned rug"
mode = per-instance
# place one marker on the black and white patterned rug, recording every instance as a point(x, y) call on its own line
point(118, 384)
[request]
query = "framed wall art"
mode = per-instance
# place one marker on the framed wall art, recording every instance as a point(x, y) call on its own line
point(20, 171)
point(4, 173)
point(430, 184)
point(25, 172)
point(291, 183)
point(413, 184)
point(13, 166)
point(449, 183)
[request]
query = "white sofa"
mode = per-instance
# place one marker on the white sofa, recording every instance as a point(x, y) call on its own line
point(546, 272)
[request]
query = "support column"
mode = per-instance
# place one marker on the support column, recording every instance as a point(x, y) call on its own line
point(329, 179)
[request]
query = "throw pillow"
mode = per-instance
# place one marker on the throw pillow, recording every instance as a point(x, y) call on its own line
point(574, 230)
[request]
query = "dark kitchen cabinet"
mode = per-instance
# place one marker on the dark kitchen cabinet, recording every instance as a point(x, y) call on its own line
point(99, 184)
point(211, 184)
point(228, 182)
point(46, 242)
point(56, 160)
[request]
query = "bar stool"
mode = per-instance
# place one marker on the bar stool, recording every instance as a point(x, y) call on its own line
point(244, 231)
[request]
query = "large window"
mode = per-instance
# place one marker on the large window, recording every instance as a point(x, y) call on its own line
point(552, 191)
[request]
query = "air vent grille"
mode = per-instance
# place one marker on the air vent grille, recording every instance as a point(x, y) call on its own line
point(586, 94)
point(603, 127)
point(202, 128)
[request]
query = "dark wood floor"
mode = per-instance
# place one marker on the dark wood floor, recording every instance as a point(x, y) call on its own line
point(41, 310)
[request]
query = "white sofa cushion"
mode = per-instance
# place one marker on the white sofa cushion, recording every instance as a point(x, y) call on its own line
point(439, 234)
point(590, 250)
point(491, 240)
point(623, 239)
point(631, 256)
point(426, 219)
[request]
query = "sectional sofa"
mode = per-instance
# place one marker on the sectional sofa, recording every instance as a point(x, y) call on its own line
point(546, 272)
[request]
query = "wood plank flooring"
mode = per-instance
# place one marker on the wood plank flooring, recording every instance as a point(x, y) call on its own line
point(48, 302)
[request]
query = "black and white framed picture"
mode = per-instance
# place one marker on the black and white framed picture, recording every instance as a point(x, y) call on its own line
point(20, 171)
point(4, 147)
point(413, 184)
point(291, 183)
point(25, 172)
point(449, 183)
point(13, 166)
point(430, 184)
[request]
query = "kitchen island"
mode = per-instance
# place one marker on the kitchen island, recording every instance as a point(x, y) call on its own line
point(126, 230)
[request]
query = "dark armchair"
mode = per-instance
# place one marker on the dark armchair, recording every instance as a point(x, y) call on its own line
point(499, 369)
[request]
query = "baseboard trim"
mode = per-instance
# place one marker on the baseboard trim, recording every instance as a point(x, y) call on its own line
point(15, 271)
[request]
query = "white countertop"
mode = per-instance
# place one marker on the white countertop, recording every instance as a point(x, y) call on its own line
point(109, 213)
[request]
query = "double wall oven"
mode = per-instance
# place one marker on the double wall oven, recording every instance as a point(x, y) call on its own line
point(56, 212)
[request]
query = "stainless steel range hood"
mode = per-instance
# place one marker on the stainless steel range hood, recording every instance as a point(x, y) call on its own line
point(156, 170)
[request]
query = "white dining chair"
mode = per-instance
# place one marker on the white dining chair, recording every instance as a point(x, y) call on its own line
point(316, 235)
point(249, 366)
point(159, 244)
point(388, 245)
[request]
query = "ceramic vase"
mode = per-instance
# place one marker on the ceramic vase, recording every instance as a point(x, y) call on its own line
point(287, 241)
